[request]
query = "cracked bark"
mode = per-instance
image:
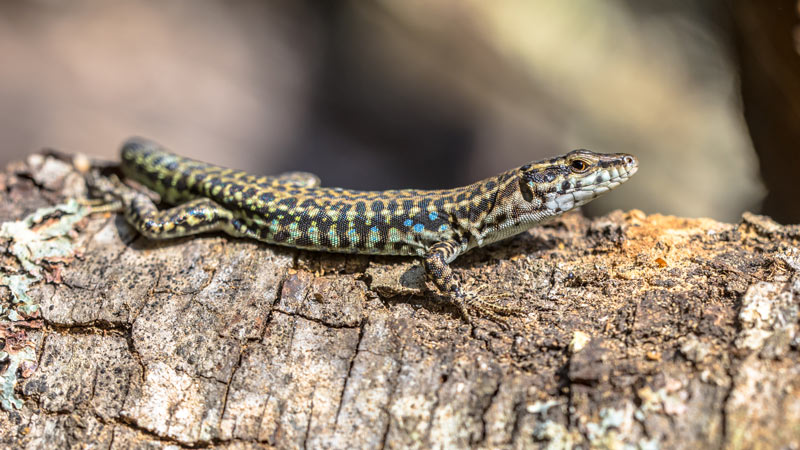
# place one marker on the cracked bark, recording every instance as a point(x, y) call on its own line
point(690, 326)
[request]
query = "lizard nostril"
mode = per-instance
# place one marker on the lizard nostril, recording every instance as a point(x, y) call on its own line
point(628, 160)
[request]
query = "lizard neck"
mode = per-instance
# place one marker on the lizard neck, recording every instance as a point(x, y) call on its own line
point(510, 213)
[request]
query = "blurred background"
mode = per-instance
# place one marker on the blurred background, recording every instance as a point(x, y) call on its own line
point(421, 93)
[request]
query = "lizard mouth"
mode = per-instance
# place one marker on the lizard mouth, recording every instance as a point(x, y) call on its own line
point(596, 184)
point(603, 181)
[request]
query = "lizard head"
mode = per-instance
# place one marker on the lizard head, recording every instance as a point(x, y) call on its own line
point(538, 191)
point(571, 180)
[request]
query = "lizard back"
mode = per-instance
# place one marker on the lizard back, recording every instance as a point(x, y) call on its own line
point(396, 222)
point(298, 213)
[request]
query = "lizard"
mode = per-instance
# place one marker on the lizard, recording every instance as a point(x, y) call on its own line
point(294, 209)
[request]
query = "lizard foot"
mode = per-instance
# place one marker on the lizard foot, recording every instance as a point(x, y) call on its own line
point(486, 306)
point(106, 190)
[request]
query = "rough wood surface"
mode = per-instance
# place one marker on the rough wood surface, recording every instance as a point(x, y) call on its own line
point(652, 331)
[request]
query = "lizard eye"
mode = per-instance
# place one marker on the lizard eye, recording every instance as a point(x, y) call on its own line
point(579, 166)
point(526, 190)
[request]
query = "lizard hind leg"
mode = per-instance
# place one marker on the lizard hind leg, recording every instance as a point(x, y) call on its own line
point(193, 217)
point(298, 179)
point(288, 180)
point(197, 216)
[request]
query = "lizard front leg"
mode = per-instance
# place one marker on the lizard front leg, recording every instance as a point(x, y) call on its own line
point(437, 265)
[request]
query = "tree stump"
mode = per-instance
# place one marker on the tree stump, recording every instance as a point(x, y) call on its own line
point(647, 330)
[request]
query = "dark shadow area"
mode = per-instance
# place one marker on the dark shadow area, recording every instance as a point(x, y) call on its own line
point(769, 64)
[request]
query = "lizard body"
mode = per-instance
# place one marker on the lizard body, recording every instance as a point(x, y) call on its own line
point(294, 210)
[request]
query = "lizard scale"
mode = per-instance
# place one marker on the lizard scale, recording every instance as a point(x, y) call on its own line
point(293, 209)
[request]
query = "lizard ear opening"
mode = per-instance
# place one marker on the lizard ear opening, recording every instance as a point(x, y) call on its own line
point(525, 189)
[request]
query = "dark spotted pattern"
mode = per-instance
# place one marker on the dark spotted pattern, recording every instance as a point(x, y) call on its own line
point(292, 209)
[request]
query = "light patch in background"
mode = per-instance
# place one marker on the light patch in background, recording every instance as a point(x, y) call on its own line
point(222, 81)
point(635, 88)
point(610, 79)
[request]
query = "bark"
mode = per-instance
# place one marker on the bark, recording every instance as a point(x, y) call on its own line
point(653, 331)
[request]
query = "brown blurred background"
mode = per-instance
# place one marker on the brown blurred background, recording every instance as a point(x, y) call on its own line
point(413, 93)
